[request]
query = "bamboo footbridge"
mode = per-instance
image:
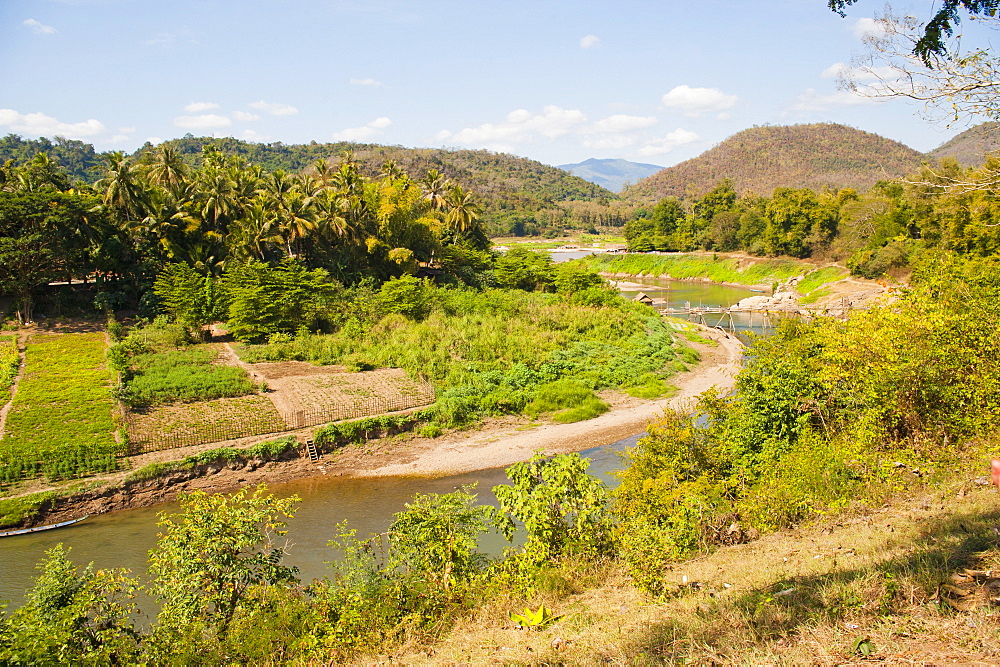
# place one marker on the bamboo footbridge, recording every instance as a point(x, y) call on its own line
point(720, 317)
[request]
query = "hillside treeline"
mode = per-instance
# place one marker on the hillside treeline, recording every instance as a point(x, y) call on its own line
point(518, 196)
point(882, 230)
point(143, 215)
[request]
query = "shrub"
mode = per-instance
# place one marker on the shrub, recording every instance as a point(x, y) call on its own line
point(567, 400)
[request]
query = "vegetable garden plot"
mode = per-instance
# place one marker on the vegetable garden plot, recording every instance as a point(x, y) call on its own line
point(60, 423)
point(307, 395)
point(183, 424)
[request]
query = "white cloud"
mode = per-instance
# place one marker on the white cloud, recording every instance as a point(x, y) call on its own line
point(127, 130)
point(622, 123)
point(154, 140)
point(39, 28)
point(198, 107)
point(866, 27)
point(119, 138)
point(252, 135)
point(615, 132)
point(245, 116)
point(274, 108)
point(202, 122)
point(672, 140)
point(520, 127)
point(590, 42)
point(696, 101)
point(38, 124)
point(363, 133)
point(366, 82)
point(811, 101)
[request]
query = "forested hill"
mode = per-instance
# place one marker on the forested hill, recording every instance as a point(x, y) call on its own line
point(970, 147)
point(503, 181)
point(760, 159)
point(80, 160)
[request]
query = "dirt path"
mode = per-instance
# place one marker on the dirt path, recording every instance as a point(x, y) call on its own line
point(13, 386)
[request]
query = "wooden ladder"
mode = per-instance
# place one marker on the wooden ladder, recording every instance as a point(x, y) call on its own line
point(311, 450)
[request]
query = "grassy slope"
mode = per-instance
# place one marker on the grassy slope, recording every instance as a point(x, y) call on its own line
point(795, 597)
point(715, 267)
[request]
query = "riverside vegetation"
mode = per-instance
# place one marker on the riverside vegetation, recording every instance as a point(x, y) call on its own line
point(829, 417)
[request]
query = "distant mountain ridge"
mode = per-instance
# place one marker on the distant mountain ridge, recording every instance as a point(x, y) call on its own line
point(612, 174)
point(762, 158)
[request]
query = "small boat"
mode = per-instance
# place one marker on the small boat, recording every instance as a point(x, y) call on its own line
point(38, 529)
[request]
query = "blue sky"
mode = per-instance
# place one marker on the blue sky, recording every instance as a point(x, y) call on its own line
point(553, 80)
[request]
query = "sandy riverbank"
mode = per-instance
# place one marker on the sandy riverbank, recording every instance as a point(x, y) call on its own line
point(497, 443)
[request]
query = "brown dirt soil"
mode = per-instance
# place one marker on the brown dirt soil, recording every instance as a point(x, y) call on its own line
point(494, 443)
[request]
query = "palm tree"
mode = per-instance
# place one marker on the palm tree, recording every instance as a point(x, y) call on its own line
point(168, 169)
point(463, 210)
point(123, 190)
point(217, 203)
point(434, 186)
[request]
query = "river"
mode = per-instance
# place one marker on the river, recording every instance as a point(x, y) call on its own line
point(123, 539)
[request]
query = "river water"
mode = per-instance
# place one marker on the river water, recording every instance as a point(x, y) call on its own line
point(123, 539)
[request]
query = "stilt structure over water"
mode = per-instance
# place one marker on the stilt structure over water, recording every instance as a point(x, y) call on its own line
point(719, 317)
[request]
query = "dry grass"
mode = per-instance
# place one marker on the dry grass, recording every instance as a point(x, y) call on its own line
point(797, 597)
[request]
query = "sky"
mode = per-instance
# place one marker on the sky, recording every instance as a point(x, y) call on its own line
point(557, 81)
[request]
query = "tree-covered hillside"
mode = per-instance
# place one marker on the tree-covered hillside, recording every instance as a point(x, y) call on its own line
point(80, 160)
point(970, 147)
point(760, 159)
point(519, 196)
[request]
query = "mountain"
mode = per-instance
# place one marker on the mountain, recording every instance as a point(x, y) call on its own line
point(970, 147)
point(763, 158)
point(611, 174)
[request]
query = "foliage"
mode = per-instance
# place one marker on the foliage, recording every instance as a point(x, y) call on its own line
point(189, 297)
point(189, 374)
point(264, 300)
point(568, 401)
point(487, 353)
point(214, 554)
point(435, 538)
point(339, 434)
point(534, 620)
point(60, 422)
point(19, 509)
point(72, 616)
point(10, 361)
point(562, 508)
point(269, 450)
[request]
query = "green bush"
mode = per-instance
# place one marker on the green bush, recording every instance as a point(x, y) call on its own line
point(567, 400)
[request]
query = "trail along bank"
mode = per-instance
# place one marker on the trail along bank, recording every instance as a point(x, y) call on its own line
point(497, 443)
